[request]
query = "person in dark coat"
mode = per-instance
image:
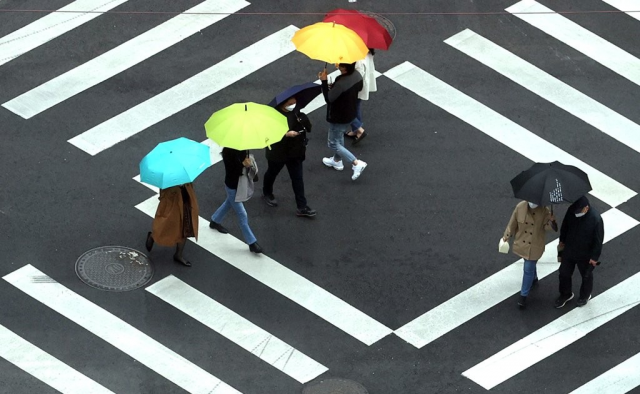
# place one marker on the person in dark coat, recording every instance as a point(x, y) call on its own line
point(342, 102)
point(290, 152)
point(581, 238)
point(176, 220)
point(234, 161)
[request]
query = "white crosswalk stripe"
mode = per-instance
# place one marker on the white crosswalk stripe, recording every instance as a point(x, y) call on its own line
point(620, 379)
point(579, 38)
point(116, 332)
point(237, 329)
point(45, 367)
point(122, 57)
point(631, 7)
point(51, 26)
point(186, 93)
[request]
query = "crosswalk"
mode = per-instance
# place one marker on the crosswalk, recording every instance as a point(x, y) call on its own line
point(273, 348)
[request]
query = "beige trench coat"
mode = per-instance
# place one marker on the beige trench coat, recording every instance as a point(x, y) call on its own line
point(528, 226)
point(168, 225)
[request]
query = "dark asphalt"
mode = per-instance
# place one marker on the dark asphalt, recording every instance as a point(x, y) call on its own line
point(420, 225)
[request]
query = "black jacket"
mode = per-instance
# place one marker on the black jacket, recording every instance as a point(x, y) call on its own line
point(291, 147)
point(233, 166)
point(582, 237)
point(342, 98)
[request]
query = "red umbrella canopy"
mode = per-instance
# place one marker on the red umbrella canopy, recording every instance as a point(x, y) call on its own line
point(372, 33)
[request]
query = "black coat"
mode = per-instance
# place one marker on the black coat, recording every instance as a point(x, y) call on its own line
point(582, 237)
point(291, 147)
point(342, 98)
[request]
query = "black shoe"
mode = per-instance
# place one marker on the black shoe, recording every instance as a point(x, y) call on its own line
point(583, 301)
point(182, 261)
point(217, 226)
point(270, 200)
point(563, 300)
point(522, 301)
point(306, 211)
point(149, 243)
point(255, 248)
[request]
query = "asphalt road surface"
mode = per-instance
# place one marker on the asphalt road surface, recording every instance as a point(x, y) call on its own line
point(397, 283)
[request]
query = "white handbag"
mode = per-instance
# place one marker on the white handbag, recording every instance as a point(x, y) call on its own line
point(503, 247)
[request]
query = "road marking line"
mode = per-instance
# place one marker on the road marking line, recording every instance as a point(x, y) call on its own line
point(579, 38)
point(547, 87)
point(45, 367)
point(498, 287)
point(237, 329)
point(119, 59)
point(116, 332)
point(556, 335)
point(52, 26)
point(186, 93)
point(284, 281)
point(502, 129)
point(620, 379)
point(626, 6)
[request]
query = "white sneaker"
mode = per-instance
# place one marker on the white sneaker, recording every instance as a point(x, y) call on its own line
point(329, 162)
point(357, 169)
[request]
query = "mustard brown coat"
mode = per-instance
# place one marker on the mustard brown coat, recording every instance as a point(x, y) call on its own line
point(168, 225)
point(529, 226)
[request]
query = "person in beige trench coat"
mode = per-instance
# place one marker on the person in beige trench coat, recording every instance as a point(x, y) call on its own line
point(176, 220)
point(528, 225)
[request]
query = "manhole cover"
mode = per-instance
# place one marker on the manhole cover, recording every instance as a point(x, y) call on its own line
point(114, 268)
point(335, 386)
point(384, 21)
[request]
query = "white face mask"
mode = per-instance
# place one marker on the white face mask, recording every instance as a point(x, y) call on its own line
point(290, 107)
point(580, 214)
point(533, 206)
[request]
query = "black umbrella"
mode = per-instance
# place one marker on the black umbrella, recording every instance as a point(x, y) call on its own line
point(551, 183)
point(303, 93)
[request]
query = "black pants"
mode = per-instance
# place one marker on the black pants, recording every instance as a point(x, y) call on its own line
point(567, 266)
point(295, 172)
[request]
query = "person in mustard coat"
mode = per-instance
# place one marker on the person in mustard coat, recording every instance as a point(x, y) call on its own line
point(176, 220)
point(528, 224)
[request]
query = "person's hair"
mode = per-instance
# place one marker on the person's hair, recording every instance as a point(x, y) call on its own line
point(372, 51)
point(350, 67)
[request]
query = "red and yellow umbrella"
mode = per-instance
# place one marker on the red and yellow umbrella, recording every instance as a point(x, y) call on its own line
point(372, 33)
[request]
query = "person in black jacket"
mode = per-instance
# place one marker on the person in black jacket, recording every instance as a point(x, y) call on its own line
point(290, 151)
point(234, 161)
point(581, 238)
point(342, 101)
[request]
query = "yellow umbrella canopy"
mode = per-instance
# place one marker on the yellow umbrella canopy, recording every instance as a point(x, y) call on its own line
point(246, 126)
point(330, 42)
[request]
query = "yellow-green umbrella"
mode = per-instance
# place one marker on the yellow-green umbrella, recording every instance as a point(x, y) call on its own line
point(330, 42)
point(246, 126)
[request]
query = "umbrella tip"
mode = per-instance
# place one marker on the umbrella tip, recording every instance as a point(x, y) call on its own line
point(245, 107)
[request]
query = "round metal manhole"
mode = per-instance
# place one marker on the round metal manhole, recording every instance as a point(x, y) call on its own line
point(383, 20)
point(114, 268)
point(335, 386)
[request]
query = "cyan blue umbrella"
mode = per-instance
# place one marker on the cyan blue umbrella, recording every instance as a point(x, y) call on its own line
point(174, 163)
point(304, 94)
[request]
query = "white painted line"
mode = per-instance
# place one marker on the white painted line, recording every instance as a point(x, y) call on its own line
point(52, 26)
point(186, 93)
point(631, 7)
point(620, 379)
point(284, 281)
point(116, 332)
point(502, 129)
point(237, 329)
point(45, 367)
point(495, 289)
point(548, 87)
point(556, 335)
point(579, 38)
point(121, 58)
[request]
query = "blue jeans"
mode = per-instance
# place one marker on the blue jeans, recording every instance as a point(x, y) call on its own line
point(336, 142)
point(529, 275)
point(229, 203)
point(357, 122)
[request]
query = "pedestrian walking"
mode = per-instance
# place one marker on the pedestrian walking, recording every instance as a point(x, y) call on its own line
point(176, 220)
point(581, 238)
point(367, 69)
point(234, 162)
point(528, 224)
point(290, 152)
point(341, 99)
